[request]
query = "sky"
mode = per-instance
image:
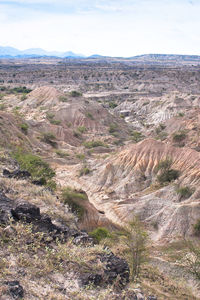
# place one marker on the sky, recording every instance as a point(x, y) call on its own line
point(107, 27)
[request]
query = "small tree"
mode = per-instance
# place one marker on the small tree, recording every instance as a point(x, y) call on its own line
point(192, 258)
point(135, 238)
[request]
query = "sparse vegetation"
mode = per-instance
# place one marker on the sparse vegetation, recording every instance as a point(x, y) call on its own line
point(136, 136)
point(75, 94)
point(73, 198)
point(166, 174)
point(184, 192)
point(89, 115)
point(39, 169)
point(82, 129)
point(63, 99)
point(49, 138)
point(100, 233)
point(62, 153)
point(135, 239)
point(84, 171)
point(179, 136)
point(94, 144)
point(24, 127)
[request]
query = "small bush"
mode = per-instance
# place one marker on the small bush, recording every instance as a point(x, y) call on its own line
point(80, 156)
point(2, 106)
point(100, 233)
point(93, 144)
point(184, 192)
point(89, 115)
point(63, 99)
point(21, 89)
point(23, 97)
point(179, 136)
point(49, 138)
point(38, 168)
point(50, 117)
point(73, 198)
point(84, 171)
point(24, 127)
point(62, 154)
point(166, 174)
point(75, 94)
point(112, 104)
point(113, 128)
point(197, 228)
point(82, 129)
point(77, 134)
point(136, 136)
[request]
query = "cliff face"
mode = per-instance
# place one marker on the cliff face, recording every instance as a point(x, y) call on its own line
point(125, 185)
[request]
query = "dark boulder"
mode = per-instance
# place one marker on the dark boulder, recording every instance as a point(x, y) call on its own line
point(26, 212)
point(115, 267)
point(89, 278)
point(30, 213)
point(152, 298)
point(15, 289)
point(18, 174)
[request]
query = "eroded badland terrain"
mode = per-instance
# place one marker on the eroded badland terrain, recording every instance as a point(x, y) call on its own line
point(89, 144)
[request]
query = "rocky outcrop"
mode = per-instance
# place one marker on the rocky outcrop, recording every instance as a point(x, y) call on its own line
point(114, 268)
point(18, 174)
point(29, 213)
point(15, 290)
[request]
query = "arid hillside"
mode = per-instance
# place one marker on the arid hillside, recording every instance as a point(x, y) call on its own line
point(95, 144)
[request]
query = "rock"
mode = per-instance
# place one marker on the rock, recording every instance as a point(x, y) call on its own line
point(30, 213)
point(39, 182)
point(15, 289)
point(26, 212)
point(82, 238)
point(88, 278)
point(18, 174)
point(115, 267)
point(151, 298)
point(5, 208)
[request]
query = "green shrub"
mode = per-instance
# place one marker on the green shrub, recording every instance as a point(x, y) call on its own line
point(84, 171)
point(82, 129)
point(38, 168)
point(184, 192)
point(49, 138)
point(89, 115)
point(179, 136)
point(63, 99)
point(197, 228)
point(136, 136)
point(75, 94)
point(21, 89)
point(80, 156)
point(77, 134)
point(168, 176)
point(24, 127)
point(112, 104)
point(113, 128)
point(100, 233)
point(73, 198)
point(23, 97)
point(166, 173)
point(50, 116)
point(93, 144)
point(62, 154)
point(2, 106)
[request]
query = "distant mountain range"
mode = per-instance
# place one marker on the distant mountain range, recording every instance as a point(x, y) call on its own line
point(10, 52)
point(6, 52)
